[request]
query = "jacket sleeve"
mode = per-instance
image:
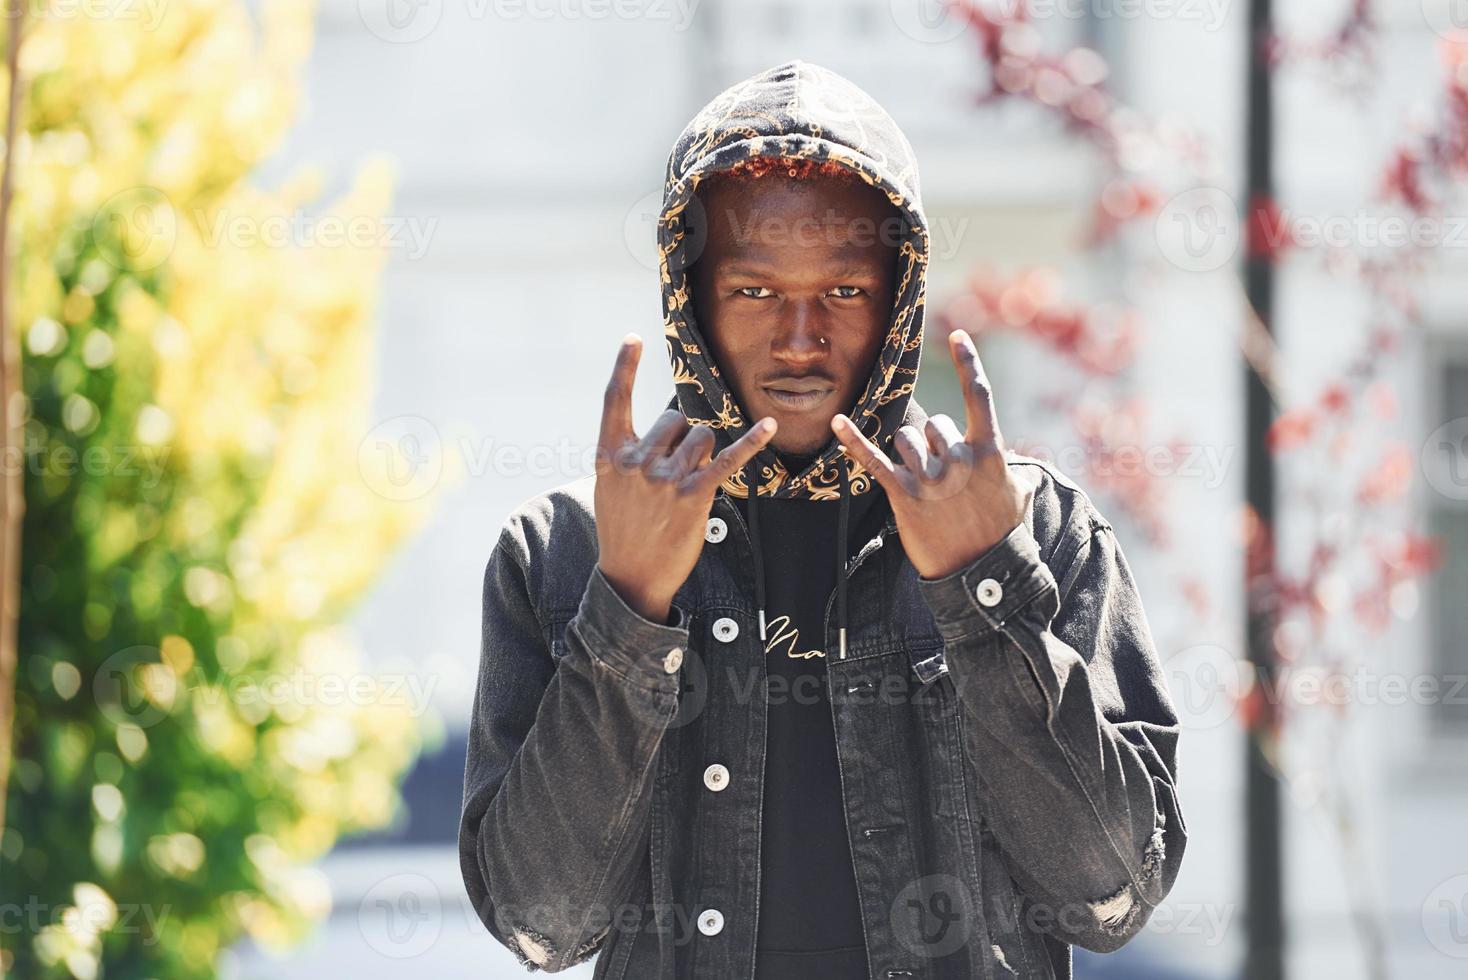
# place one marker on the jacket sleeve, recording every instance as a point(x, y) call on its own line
point(559, 765)
point(1070, 728)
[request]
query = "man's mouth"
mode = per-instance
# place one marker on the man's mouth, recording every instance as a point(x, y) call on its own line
point(799, 394)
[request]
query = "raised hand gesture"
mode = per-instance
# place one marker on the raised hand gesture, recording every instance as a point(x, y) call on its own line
point(954, 498)
point(653, 494)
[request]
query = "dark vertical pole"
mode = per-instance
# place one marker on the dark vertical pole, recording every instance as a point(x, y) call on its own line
point(1264, 892)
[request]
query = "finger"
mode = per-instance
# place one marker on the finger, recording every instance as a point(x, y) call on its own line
point(978, 397)
point(914, 452)
point(665, 433)
point(943, 436)
point(861, 449)
point(693, 451)
point(732, 460)
point(616, 410)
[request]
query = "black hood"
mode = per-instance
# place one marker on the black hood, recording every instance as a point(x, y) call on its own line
point(802, 111)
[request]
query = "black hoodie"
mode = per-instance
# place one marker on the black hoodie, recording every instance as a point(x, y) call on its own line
point(809, 912)
point(809, 916)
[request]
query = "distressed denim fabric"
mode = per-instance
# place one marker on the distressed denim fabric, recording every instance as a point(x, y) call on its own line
point(1006, 743)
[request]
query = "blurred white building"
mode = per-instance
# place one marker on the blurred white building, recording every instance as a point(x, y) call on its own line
point(531, 137)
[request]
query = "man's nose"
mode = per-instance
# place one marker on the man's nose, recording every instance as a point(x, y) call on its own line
point(802, 336)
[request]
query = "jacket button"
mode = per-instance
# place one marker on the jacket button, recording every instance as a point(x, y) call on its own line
point(711, 922)
point(716, 777)
point(989, 593)
point(715, 531)
point(725, 630)
point(673, 661)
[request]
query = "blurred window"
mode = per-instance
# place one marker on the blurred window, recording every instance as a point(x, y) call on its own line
point(1449, 520)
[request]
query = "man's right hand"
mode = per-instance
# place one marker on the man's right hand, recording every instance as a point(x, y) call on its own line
point(653, 494)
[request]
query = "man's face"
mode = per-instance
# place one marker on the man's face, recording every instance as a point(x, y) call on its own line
point(793, 291)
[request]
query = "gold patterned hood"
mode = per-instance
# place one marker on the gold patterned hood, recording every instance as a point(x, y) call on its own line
point(802, 111)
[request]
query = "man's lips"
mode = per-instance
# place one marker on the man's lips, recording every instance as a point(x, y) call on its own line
point(799, 394)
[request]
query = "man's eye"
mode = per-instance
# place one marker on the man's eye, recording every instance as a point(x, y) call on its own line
point(847, 292)
point(755, 292)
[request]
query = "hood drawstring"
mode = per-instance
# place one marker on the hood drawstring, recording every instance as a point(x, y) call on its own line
point(842, 521)
point(751, 473)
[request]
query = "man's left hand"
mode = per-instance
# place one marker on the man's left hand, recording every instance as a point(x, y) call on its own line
point(954, 498)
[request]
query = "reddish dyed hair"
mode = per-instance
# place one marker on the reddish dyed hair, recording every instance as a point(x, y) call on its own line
point(796, 169)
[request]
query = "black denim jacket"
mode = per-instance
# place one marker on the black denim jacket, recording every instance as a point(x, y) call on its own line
point(1006, 743)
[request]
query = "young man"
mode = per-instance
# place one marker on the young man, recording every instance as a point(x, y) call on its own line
point(807, 684)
